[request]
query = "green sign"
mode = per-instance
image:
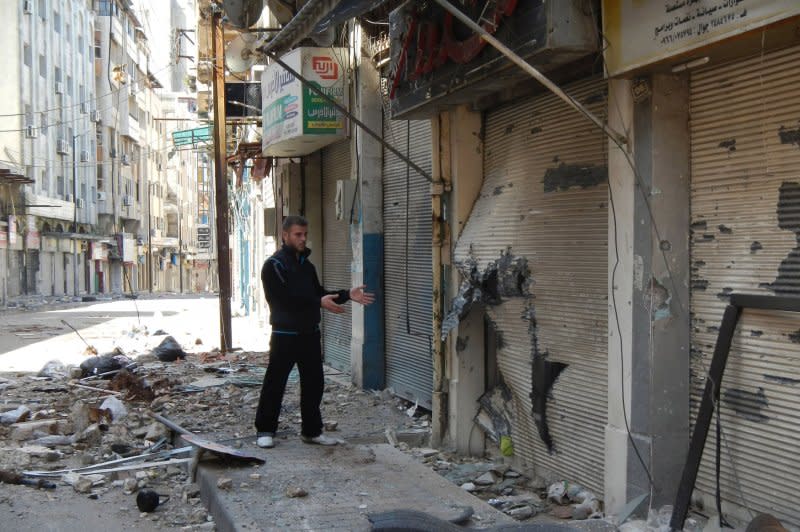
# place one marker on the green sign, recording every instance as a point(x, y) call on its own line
point(320, 117)
point(191, 136)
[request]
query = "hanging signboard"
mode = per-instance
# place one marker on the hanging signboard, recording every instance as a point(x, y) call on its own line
point(190, 137)
point(642, 33)
point(296, 120)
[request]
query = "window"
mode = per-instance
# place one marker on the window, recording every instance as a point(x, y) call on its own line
point(69, 85)
point(57, 21)
point(80, 44)
point(68, 32)
point(42, 66)
point(45, 182)
point(100, 176)
point(83, 190)
point(57, 74)
point(28, 115)
point(27, 58)
point(43, 9)
point(60, 185)
point(98, 44)
point(43, 122)
point(105, 8)
point(93, 194)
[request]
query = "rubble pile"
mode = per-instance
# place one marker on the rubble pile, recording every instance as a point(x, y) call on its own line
point(88, 431)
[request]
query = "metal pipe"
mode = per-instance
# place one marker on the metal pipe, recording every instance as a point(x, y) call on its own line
point(350, 115)
point(524, 65)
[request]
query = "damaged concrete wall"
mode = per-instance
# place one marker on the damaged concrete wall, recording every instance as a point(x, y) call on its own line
point(534, 252)
point(745, 227)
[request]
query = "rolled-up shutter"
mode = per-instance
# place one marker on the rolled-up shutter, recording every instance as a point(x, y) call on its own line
point(337, 255)
point(544, 205)
point(408, 261)
point(745, 134)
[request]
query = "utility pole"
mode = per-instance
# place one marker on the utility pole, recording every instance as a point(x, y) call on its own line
point(74, 215)
point(221, 184)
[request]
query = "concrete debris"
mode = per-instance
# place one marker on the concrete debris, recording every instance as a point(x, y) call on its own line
point(116, 407)
point(468, 486)
point(331, 426)
point(21, 413)
point(224, 483)
point(487, 479)
point(53, 370)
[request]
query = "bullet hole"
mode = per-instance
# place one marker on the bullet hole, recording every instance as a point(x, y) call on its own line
point(794, 337)
point(725, 230)
point(566, 176)
point(729, 145)
point(780, 379)
point(756, 334)
point(726, 293)
point(536, 130)
point(789, 136)
point(702, 224)
point(755, 246)
point(509, 129)
point(461, 343)
point(699, 284)
point(665, 245)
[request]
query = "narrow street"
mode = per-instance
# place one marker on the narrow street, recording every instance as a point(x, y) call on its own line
point(95, 439)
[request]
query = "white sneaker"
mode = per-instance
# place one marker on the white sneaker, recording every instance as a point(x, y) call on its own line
point(320, 440)
point(265, 442)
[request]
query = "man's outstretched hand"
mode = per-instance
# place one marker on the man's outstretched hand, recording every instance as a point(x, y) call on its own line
point(358, 295)
point(328, 303)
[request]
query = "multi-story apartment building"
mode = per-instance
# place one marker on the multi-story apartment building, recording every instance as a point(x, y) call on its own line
point(83, 134)
point(48, 96)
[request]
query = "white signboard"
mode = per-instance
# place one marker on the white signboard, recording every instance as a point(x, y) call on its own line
point(296, 120)
point(641, 32)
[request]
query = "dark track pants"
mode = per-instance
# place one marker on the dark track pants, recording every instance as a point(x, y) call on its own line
point(304, 350)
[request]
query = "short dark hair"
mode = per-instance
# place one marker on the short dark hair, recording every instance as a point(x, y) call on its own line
point(289, 221)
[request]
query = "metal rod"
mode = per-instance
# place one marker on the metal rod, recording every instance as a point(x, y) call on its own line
point(170, 424)
point(350, 115)
point(524, 65)
point(221, 185)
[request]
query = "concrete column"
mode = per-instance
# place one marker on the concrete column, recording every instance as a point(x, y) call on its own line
point(367, 340)
point(461, 157)
point(649, 328)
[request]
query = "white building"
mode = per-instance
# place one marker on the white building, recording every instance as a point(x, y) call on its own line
point(49, 95)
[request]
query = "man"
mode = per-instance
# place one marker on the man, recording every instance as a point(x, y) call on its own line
point(295, 297)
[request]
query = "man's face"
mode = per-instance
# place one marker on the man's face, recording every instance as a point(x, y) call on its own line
point(296, 237)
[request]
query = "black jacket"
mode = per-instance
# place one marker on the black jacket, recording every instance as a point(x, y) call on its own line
point(294, 292)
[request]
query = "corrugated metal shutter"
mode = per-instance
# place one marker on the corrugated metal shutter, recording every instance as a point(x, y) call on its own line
point(337, 256)
point(544, 198)
point(746, 225)
point(408, 259)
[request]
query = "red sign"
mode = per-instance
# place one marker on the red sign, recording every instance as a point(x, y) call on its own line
point(325, 67)
point(433, 42)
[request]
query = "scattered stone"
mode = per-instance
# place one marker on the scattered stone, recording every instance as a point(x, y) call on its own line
point(487, 479)
point(521, 513)
point(156, 431)
point(511, 474)
point(54, 370)
point(296, 492)
point(130, 485)
point(198, 341)
point(116, 407)
point(225, 483)
point(91, 435)
point(427, 452)
point(25, 430)
point(78, 482)
point(255, 476)
point(75, 372)
point(198, 516)
point(19, 414)
point(331, 426)
point(469, 486)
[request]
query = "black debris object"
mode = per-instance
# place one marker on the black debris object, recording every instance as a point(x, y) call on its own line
point(169, 350)
point(105, 364)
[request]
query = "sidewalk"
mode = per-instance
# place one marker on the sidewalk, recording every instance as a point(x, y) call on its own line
point(344, 485)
